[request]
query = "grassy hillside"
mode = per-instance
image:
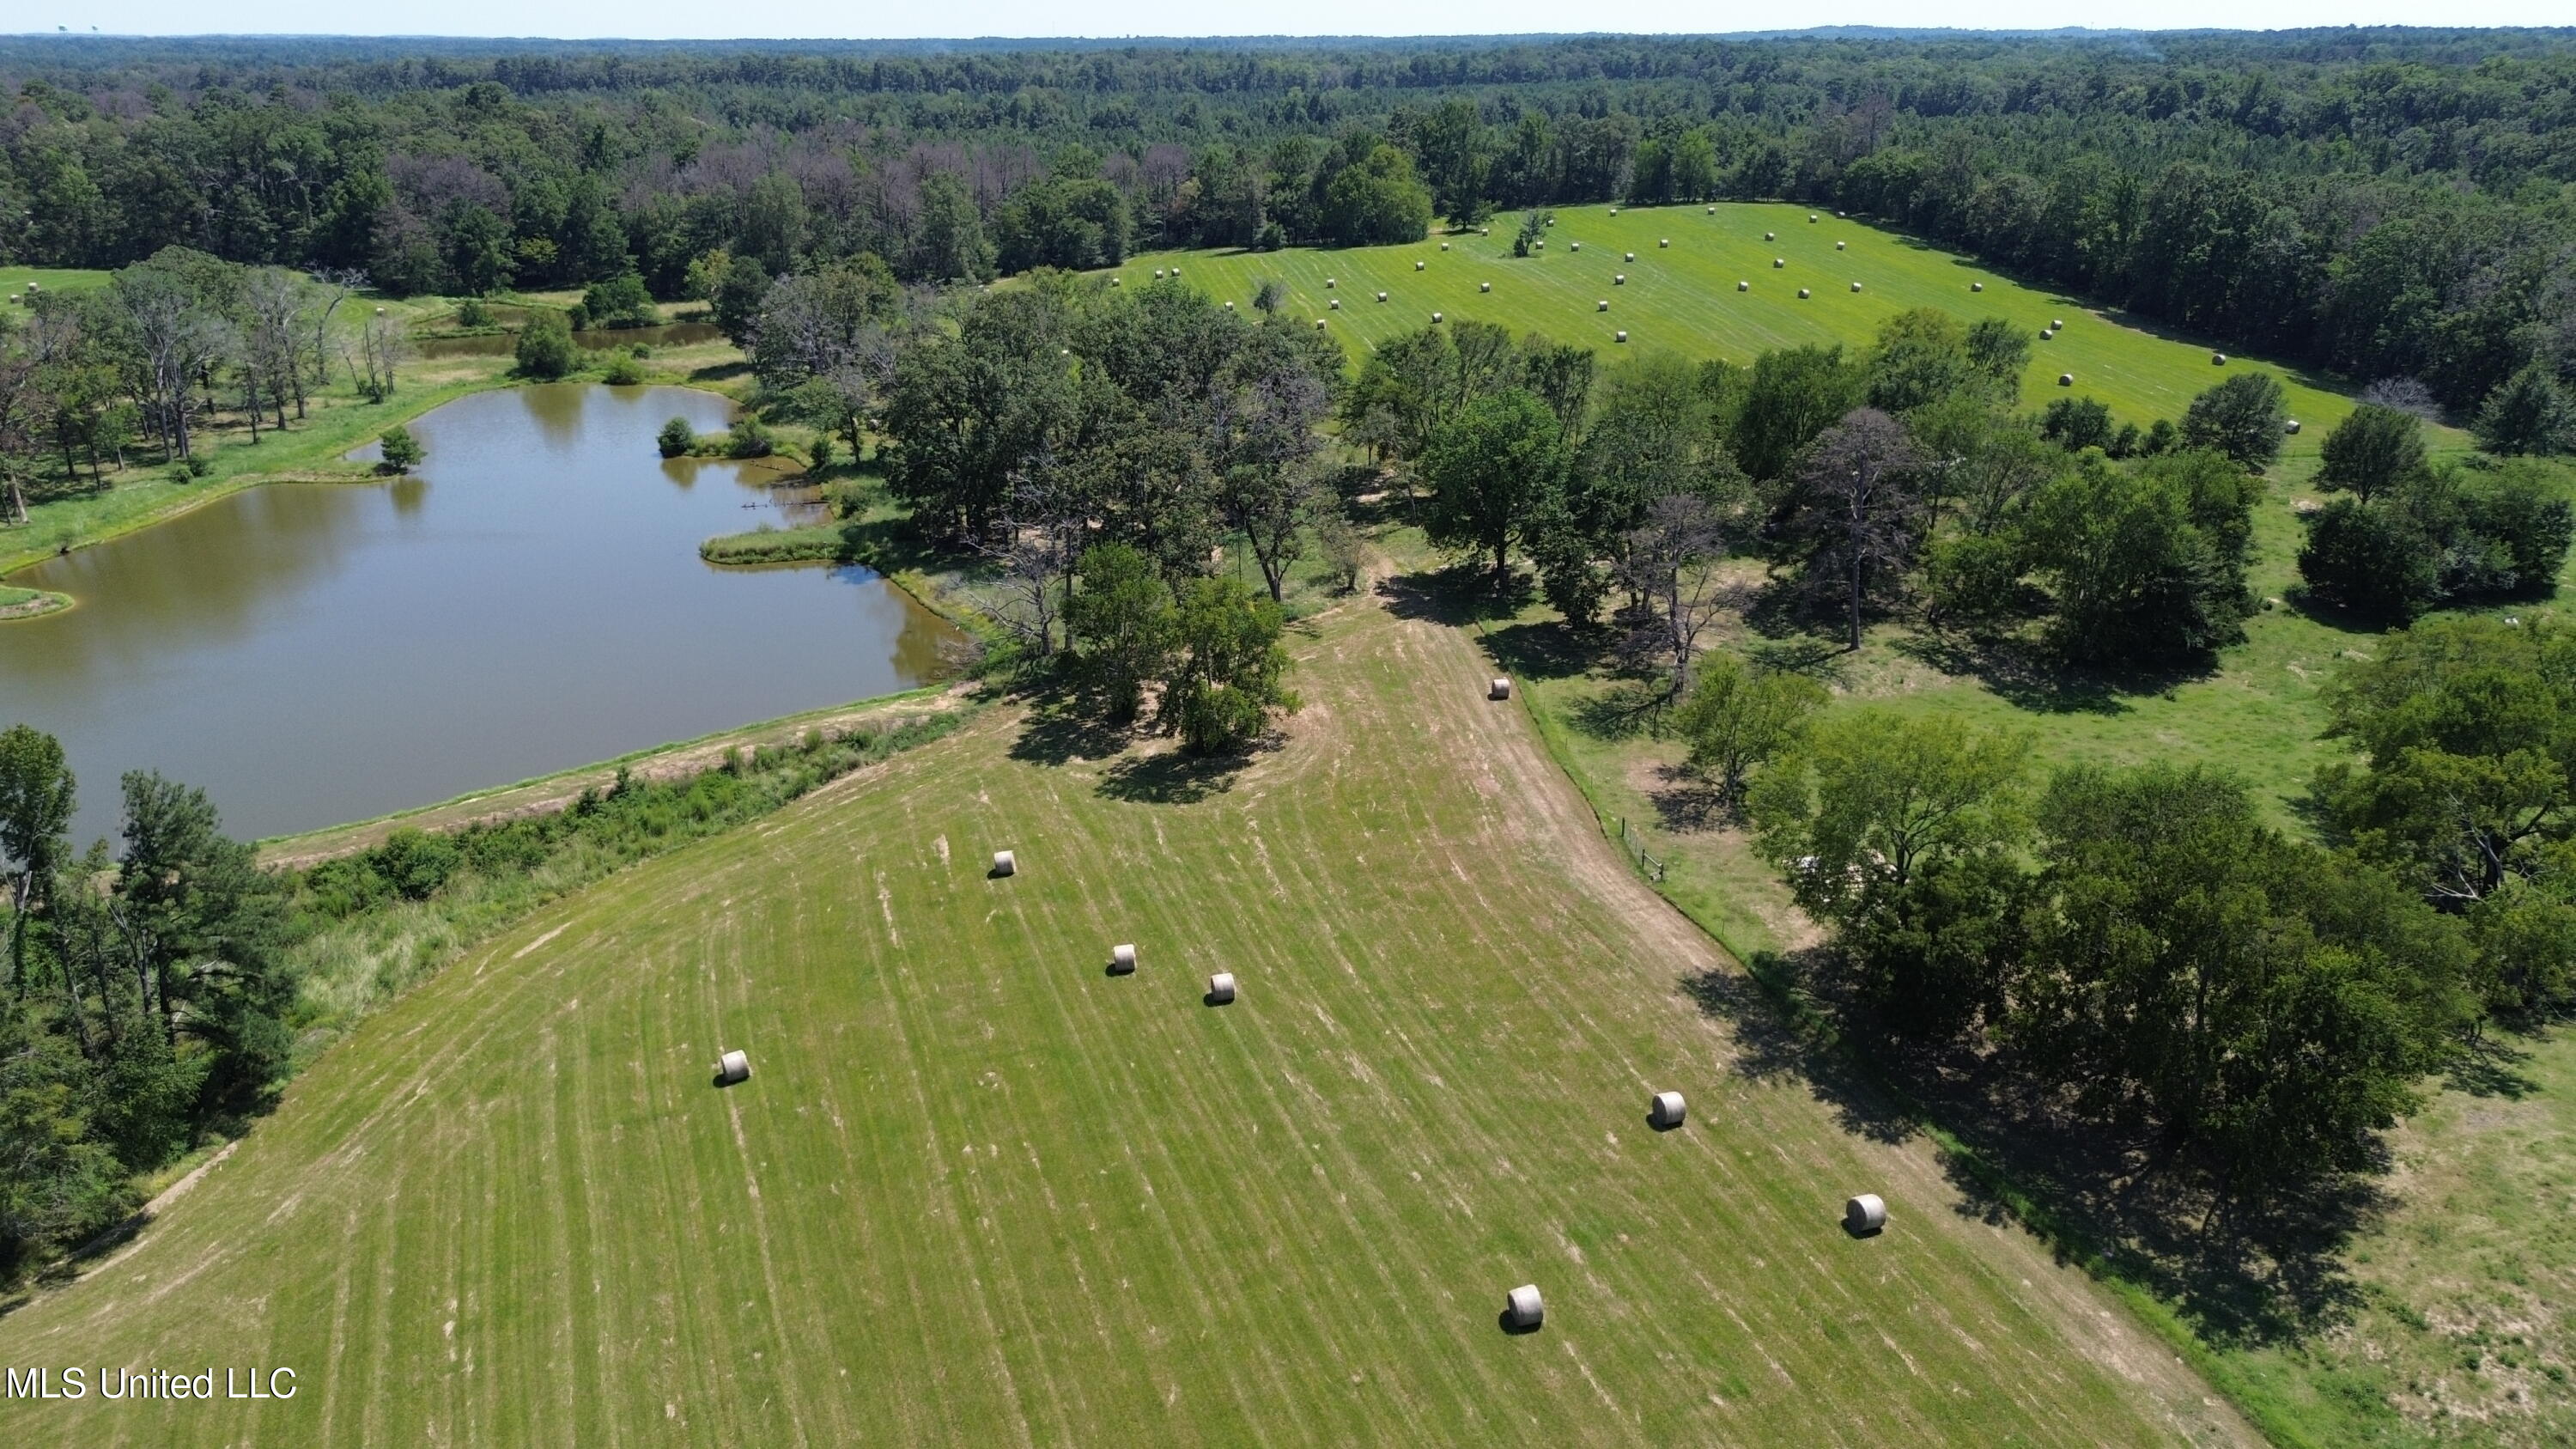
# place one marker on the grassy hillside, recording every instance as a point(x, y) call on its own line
point(1683, 298)
point(976, 1191)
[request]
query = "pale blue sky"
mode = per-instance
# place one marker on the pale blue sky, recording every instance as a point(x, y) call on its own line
point(696, 19)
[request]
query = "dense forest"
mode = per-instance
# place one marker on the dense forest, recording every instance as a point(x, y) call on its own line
point(2398, 206)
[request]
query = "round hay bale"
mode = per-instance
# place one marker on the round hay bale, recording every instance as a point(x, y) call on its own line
point(1666, 1111)
point(1712, 211)
point(1329, 284)
point(732, 1067)
point(1802, 294)
point(1744, 286)
point(1619, 337)
point(2292, 426)
point(2057, 324)
point(1551, 221)
point(1523, 1309)
point(2045, 335)
point(1855, 286)
point(1778, 262)
point(1976, 286)
point(1838, 246)
point(1484, 231)
point(2066, 379)
point(1811, 218)
point(1435, 317)
point(1484, 286)
point(1866, 1213)
point(1663, 241)
point(1603, 306)
point(1619, 279)
point(1418, 266)
point(2218, 359)
point(1319, 323)
point(1118, 281)
point(1500, 689)
point(1229, 306)
point(1614, 211)
point(1220, 988)
point(1574, 246)
point(1005, 863)
point(1122, 959)
point(1176, 271)
point(1770, 236)
point(1632, 256)
point(1381, 296)
point(1444, 246)
point(1158, 274)
point(1334, 305)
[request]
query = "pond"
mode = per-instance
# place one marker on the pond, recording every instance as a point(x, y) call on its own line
point(530, 600)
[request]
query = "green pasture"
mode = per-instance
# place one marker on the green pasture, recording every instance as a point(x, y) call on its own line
point(977, 1191)
point(14, 280)
point(1683, 298)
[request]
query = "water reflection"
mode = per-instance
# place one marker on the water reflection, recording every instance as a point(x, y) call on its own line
point(532, 599)
point(504, 344)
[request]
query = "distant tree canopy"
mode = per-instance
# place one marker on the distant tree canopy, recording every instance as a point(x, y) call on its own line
point(2384, 203)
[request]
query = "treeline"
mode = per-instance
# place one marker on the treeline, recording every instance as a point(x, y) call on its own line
point(2142, 948)
point(158, 995)
point(2389, 204)
point(89, 377)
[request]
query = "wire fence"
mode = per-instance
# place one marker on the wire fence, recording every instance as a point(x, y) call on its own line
point(1636, 845)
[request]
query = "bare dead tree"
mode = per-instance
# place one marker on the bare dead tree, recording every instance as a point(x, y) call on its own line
point(1036, 541)
point(1670, 566)
point(1859, 520)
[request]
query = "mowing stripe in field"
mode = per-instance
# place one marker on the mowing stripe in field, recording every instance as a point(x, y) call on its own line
point(979, 1191)
point(1683, 298)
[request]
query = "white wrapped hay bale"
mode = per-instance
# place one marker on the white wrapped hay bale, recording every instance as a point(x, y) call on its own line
point(1523, 1309)
point(1631, 256)
point(1602, 306)
point(1220, 988)
point(2218, 359)
point(1484, 286)
point(1501, 688)
point(731, 1068)
point(1803, 294)
point(1744, 286)
point(1778, 262)
point(1122, 959)
point(1976, 286)
point(1619, 279)
point(1618, 336)
point(1666, 1111)
point(1574, 246)
point(1418, 266)
point(1005, 863)
point(1770, 236)
point(1866, 1213)
point(2066, 379)
point(1663, 241)
point(1435, 317)
point(1838, 246)
point(1381, 296)
point(1855, 286)
point(2292, 426)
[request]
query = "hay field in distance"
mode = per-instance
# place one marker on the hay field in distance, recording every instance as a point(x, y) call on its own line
point(977, 1190)
point(1682, 298)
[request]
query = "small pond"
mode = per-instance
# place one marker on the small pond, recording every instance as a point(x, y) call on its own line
point(531, 599)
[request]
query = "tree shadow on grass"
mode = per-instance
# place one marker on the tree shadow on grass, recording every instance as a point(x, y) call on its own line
point(1068, 725)
point(2026, 674)
point(2491, 1066)
point(1459, 595)
point(1545, 649)
point(1773, 1044)
point(1685, 802)
point(1170, 777)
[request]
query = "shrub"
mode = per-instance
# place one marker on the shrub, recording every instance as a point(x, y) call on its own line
point(750, 439)
point(621, 301)
point(2372, 451)
point(545, 346)
point(677, 438)
point(402, 451)
point(622, 372)
point(2240, 417)
point(2077, 423)
point(2527, 413)
point(472, 313)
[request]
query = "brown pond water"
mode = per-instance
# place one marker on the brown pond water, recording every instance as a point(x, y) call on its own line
point(530, 600)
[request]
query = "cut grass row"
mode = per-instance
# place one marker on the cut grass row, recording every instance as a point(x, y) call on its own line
point(977, 1191)
point(1683, 299)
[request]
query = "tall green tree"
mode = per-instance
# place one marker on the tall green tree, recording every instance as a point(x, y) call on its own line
point(1231, 674)
point(1493, 469)
point(2241, 417)
point(36, 793)
point(1122, 620)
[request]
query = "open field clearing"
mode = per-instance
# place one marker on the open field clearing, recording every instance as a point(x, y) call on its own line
point(978, 1191)
point(1683, 298)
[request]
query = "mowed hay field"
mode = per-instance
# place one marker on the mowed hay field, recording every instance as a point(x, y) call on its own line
point(1682, 298)
point(977, 1191)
